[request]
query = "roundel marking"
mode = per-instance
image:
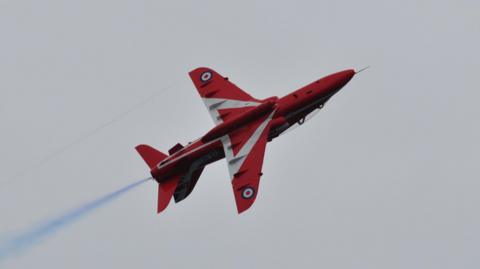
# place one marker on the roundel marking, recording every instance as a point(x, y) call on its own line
point(206, 76)
point(248, 193)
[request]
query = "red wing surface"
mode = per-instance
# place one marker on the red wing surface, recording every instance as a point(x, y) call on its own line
point(244, 151)
point(222, 98)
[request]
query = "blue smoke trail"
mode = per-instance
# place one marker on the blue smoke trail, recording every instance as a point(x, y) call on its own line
point(36, 233)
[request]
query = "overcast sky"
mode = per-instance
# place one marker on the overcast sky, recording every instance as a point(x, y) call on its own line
point(386, 176)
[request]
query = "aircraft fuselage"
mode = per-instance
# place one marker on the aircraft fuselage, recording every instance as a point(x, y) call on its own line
point(287, 111)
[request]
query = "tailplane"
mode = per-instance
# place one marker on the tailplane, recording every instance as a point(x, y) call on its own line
point(150, 155)
point(165, 192)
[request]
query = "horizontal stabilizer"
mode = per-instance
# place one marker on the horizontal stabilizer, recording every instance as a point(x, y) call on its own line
point(150, 155)
point(165, 193)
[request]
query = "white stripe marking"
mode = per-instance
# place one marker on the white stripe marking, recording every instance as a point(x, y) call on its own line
point(214, 104)
point(235, 162)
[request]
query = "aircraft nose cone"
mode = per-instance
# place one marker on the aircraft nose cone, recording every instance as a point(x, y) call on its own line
point(343, 77)
point(336, 81)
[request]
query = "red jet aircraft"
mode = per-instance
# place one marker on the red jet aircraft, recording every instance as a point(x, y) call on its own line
point(244, 125)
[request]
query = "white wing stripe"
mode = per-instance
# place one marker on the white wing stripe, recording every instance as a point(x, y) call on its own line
point(214, 104)
point(228, 103)
point(235, 162)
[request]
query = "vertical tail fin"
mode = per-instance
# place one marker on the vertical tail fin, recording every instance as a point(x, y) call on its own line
point(150, 155)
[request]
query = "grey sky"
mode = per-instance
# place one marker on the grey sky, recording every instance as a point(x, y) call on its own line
point(386, 176)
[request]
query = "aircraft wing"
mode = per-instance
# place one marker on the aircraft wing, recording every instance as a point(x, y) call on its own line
point(244, 151)
point(223, 99)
